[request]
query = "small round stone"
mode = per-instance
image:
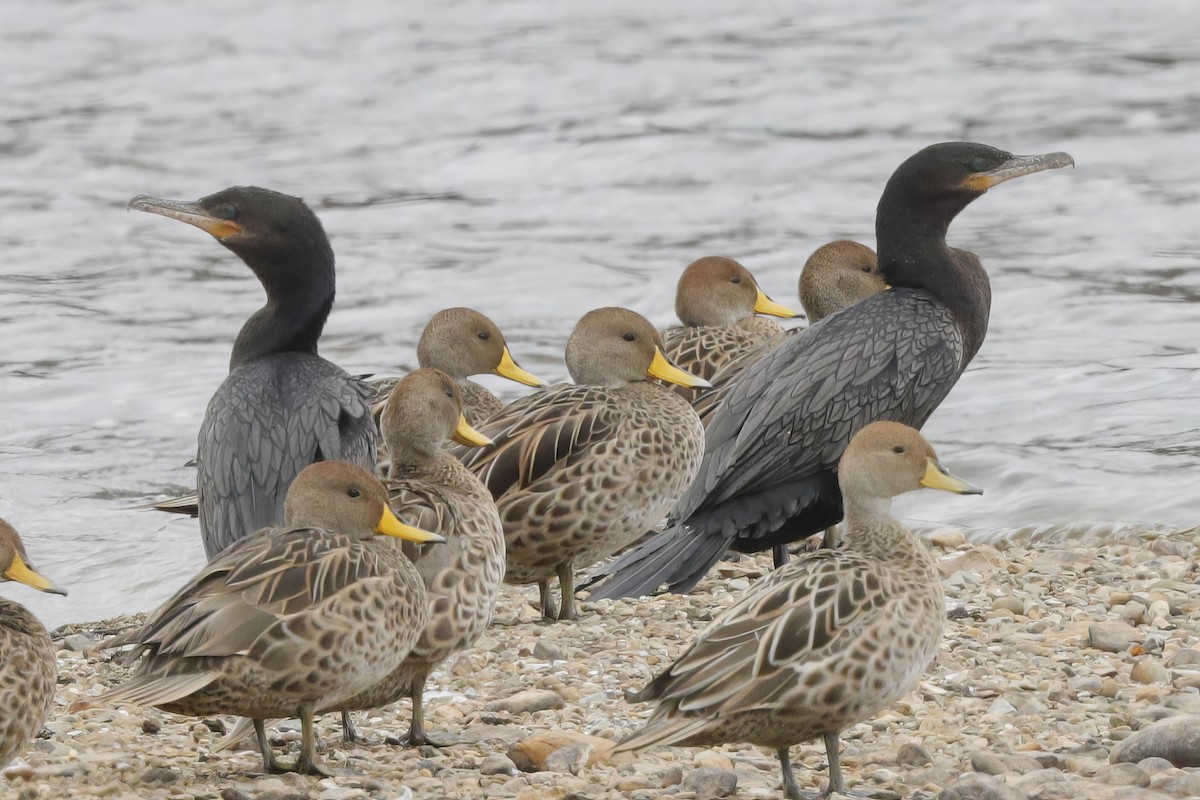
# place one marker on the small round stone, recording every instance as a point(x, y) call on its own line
point(1149, 670)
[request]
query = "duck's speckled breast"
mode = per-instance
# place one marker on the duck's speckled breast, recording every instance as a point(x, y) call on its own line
point(28, 672)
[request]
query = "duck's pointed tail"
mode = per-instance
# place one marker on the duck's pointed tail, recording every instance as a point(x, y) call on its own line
point(151, 690)
point(663, 731)
point(242, 731)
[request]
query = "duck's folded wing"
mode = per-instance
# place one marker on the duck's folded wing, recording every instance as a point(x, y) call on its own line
point(424, 505)
point(535, 434)
point(249, 588)
point(764, 645)
point(702, 351)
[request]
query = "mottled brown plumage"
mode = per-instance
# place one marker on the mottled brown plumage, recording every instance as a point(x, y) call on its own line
point(717, 300)
point(824, 642)
point(836, 276)
point(580, 471)
point(28, 669)
point(289, 619)
point(432, 490)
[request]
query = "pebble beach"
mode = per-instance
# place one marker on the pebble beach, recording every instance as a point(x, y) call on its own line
point(1068, 670)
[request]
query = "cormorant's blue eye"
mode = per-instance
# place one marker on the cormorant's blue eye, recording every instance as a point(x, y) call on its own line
point(225, 211)
point(977, 164)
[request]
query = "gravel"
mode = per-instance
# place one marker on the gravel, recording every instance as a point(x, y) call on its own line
point(1030, 687)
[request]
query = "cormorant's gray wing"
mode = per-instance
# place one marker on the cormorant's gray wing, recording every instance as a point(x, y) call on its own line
point(270, 419)
point(728, 374)
point(892, 357)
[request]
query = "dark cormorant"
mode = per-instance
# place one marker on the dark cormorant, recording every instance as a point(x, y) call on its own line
point(282, 407)
point(825, 642)
point(769, 472)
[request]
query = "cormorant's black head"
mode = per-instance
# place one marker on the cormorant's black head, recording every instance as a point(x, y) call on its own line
point(273, 233)
point(943, 178)
point(921, 200)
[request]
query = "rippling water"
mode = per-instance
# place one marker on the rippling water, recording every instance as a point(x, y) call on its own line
point(536, 159)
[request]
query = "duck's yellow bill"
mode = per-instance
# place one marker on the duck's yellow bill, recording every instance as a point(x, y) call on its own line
point(23, 573)
point(388, 525)
point(465, 434)
point(938, 477)
point(509, 369)
point(765, 305)
point(664, 370)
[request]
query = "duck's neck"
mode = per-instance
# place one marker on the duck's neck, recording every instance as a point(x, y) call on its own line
point(860, 512)
point(872, 530)
point(300, 295)
point(911, 238)
point(410, 460)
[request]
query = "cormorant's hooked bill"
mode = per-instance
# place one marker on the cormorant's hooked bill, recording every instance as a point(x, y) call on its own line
point(1015, 167)
point(188, 211)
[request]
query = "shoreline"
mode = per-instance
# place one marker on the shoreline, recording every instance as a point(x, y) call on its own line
point(1056, 657)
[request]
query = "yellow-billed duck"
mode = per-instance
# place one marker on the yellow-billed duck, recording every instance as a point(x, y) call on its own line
point(718, 300)
point(290, 619)
point(824, 642)
point(28, 668)
point(432, 490)
point(462, 342)
point(580, 471)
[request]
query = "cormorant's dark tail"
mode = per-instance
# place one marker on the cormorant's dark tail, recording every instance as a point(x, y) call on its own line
point(679, 557)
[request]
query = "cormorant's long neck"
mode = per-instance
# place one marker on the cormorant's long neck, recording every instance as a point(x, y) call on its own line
point(300, 290)
point(911, 239)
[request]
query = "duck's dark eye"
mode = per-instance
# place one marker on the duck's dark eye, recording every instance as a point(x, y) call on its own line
point(484, 335)
point(225, 211)
point(898, 448)
point(450, 393)
point(866, 268)
point(630, 337)
point(353, 493)
point(978, 164)
point(735, 279)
